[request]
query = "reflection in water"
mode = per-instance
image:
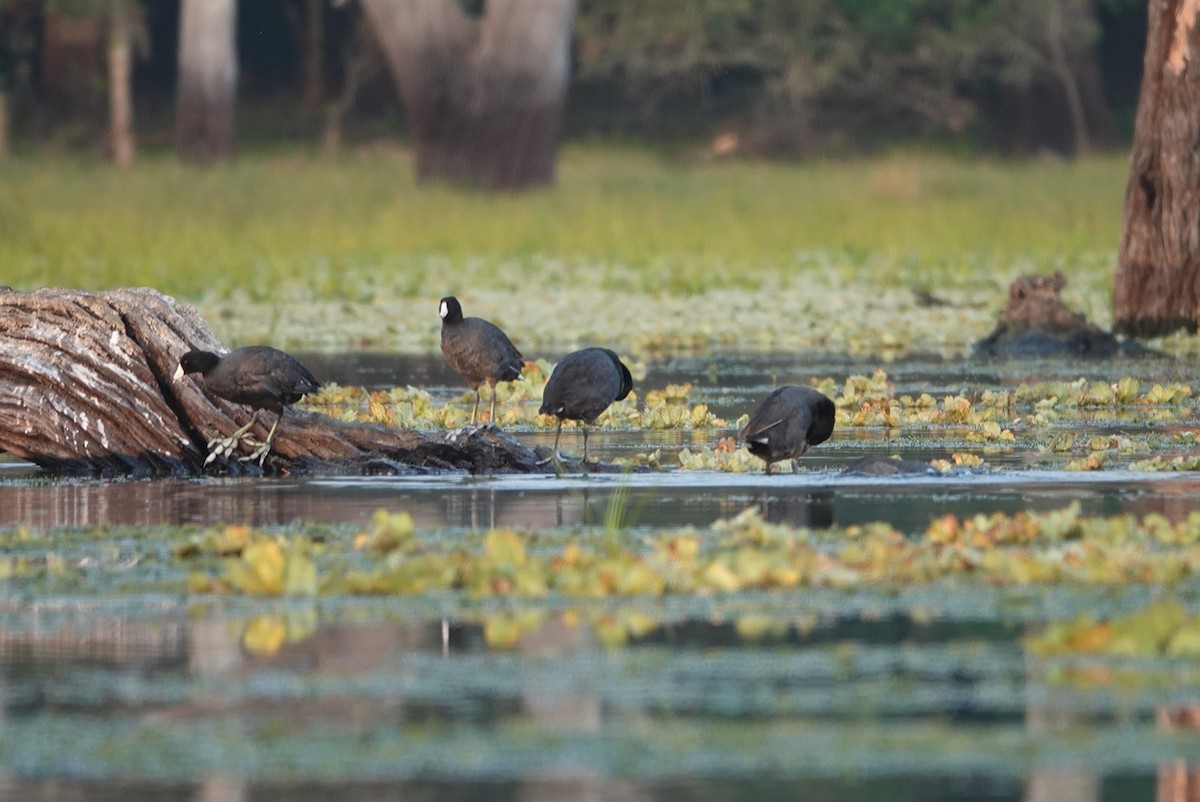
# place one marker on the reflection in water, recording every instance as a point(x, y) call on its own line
point(813, 510)
point(569, 718)
point(818, 499)
point(1058, 783)
point(1177, 780)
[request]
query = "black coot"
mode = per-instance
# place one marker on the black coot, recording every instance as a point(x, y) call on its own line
point(478, 350)
point(258, 376)
point(582, 386)
point(787, 422)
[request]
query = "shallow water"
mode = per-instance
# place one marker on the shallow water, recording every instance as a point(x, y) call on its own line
point(918, 693)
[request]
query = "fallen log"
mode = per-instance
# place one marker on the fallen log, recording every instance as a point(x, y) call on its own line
point(86, 388)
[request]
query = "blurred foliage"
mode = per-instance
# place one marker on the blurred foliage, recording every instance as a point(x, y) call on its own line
point(845, 65)
point(796, 75)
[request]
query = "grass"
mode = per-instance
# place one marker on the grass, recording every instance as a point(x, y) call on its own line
point(308, 228)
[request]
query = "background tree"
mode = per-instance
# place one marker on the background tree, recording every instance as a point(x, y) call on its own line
point(484, 94)
point(120, 82)
point(823, 71)
point(73, 34)
point(207, 85)
point(1156, 289)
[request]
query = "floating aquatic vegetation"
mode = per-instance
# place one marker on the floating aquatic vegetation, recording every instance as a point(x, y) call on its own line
point(1181, 462)
point(1163, 628)
point(1000, 420)
point(735, 555)
point(265, 565)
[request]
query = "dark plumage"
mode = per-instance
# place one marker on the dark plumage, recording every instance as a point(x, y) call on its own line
point(258, 376)
point(582, 386)
point(787, 422)
point(478, 350)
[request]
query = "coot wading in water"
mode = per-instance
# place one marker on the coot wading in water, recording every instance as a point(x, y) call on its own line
point(787, 422)
point(582, 386)
point(478, 350)
point(258, 376)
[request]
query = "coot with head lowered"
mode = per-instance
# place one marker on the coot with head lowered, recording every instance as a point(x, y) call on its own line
point(582, 386)
point(787, 422)
point(258, 376)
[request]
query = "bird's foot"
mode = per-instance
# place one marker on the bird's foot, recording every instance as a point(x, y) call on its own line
point(223, 447)
point(561, 464)
point(259, 454)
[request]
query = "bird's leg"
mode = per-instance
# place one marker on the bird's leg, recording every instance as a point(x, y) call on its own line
point(264, 448)
point(768, 468)
point(475, 409)
point(493, 418)
point(225, 446)
point(554, 454)
point(584, 427)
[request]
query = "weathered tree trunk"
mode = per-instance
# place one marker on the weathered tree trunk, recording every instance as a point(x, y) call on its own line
point(1156, 288)
point(207, 84)
point(484, 96)
point(86, 387)
point(120, 85)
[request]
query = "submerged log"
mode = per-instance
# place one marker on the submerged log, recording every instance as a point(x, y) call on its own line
point(86, 387)
point(1036, 323)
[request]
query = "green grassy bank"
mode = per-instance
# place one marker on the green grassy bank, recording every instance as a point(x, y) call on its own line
point(274, 231)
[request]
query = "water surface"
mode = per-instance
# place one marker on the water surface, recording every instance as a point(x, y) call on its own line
point(899, 693)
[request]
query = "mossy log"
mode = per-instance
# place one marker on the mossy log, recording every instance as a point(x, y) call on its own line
point(86, 388)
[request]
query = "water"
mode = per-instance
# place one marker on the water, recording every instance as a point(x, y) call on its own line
point(124, 687)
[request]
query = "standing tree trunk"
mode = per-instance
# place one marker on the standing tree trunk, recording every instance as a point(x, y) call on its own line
point(207, 79)
point(484, 96)
point(1063, 69)
point(1156, 289)
point(120, 85)
point(314, 53)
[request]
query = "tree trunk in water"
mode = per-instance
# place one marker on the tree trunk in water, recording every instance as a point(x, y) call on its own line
point(207, 79)
point(484, 96)
point(86, 387)
point(120, 86)
point(1156, 288)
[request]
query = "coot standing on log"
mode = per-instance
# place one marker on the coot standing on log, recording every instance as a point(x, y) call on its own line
point(478, 350)
point(582, 386)
point(787, 422)
point(257, 375)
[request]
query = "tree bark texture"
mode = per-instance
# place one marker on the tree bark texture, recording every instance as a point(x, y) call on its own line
point(207, 84)
point(484, 96)
point(86, 387)
point(120, 86)
point(1156, 288)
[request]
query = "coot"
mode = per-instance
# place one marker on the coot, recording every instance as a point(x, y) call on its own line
point(478, 350)
point(582, 386)
point(787, 422)
point(258, 376)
